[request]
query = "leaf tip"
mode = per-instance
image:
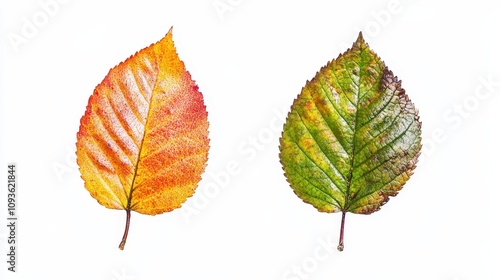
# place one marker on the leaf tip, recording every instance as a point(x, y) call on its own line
point(360, 35)
point(169, 33)
point(360, 41)
point(168, 36)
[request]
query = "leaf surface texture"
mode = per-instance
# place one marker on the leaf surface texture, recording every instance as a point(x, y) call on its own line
point(352, 137)
point(143, 140)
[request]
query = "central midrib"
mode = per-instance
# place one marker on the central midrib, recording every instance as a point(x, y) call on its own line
point(129, 198)
point(353, 154)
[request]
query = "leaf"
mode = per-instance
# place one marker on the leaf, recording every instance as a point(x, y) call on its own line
point(352, 137)
point(143, 141)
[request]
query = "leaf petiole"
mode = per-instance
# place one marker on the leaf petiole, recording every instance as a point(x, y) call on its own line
point(341, 238)
point(125, 234)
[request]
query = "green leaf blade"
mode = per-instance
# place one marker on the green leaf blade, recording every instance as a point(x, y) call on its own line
point(388, 142)
point(352, 137)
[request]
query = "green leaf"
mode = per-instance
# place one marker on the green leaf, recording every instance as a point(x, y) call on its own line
point(352, 137)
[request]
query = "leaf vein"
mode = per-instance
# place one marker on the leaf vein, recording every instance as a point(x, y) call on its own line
point(389, 145)
point(317, 187)
point(321, 148)
point(328, 95)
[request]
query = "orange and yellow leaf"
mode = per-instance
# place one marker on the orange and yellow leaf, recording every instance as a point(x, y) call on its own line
point(143, 141)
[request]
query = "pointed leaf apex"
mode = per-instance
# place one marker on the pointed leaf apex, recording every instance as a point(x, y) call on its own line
point(169, 33)
point(360, 41)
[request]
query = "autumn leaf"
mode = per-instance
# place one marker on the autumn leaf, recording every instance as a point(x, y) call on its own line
point(352, 137)
point(143, 141)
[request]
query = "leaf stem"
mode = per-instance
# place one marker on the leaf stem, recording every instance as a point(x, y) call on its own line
point(125, 234)
point(341, 238)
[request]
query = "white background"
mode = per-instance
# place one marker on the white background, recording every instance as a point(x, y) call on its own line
point(250, 60)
